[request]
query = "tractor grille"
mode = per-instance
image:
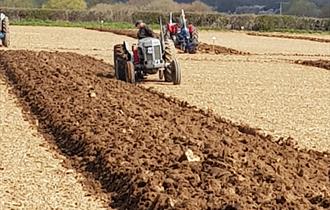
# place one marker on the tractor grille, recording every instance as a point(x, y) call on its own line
point(158, 56)
point(150, 57)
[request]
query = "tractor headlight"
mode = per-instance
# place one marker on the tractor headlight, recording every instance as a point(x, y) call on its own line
point(150, 50)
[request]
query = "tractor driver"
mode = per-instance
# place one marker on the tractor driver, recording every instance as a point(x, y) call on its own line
point(144, 30)
point(191, 29)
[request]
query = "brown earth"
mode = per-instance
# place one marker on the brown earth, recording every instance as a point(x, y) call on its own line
point(140, 144)
point(265, 90)
point(325, 64)
point(315, 39)
point(216, 49)
point(202, 47)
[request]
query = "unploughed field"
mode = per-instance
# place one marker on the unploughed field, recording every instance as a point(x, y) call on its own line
point(137, 143)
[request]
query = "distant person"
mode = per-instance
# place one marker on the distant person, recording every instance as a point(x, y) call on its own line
point(144, 30)
point(191, 29)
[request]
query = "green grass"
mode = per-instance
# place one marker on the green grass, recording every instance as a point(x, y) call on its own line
point(115, 25)
point(123, 25)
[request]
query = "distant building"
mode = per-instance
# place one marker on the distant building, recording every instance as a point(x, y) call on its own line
point(255, 9)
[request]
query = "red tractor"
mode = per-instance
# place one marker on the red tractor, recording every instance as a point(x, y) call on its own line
point(172, 29)
point(185, 37)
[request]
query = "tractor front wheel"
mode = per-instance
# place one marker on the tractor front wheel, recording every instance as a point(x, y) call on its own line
point(168, 57)
point(161, 74)
point(5, 30)
point(176, 72)
point(130, 72)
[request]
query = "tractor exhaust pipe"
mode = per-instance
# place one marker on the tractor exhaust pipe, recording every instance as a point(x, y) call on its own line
point(183, 16)
point(171, 18)
point(162, 36)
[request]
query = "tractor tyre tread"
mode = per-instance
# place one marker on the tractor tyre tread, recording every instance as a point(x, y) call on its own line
point(120, 59)
point(5, 29)
point(169, 55)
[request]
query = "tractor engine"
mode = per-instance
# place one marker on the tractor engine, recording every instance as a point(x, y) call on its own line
point(172, 28)
point(150, 53)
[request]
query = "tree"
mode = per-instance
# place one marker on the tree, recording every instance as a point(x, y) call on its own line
point(39, 3)
point(303, 8)
point(65, 4)
point(18, 3)
point(91, 3)
point(325, 11)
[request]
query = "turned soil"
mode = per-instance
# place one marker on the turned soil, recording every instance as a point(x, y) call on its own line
point(325, 64)
point(155, 152)
point(315, 39)
point(202, 47)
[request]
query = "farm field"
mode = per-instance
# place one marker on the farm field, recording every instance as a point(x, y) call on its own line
point(32, 175)
point(269, 86)
point(268, 45)
point(265, 90)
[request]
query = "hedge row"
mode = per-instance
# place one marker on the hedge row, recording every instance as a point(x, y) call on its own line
point(48, 14)
point(218, 21)
point(248, 22)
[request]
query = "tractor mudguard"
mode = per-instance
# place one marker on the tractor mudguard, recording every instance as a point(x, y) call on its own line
point(128, 51)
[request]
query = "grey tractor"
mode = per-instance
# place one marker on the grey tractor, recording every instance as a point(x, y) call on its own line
point(149, 56)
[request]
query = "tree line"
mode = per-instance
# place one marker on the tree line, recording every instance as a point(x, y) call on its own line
point(312, 8)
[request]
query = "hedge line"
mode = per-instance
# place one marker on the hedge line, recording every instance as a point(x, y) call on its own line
point(48, 14)
point(218, 21)
point(249, 22)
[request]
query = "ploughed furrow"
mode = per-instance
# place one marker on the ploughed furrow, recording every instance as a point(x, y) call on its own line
point(202, 47)
point(154, 152)
point(290, 37)
point(325, 64)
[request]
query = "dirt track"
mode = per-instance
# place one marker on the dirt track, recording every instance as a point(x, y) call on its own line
point(97, 122)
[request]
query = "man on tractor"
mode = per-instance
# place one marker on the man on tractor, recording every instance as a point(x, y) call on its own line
point(144, 30)
point(193, 34)
point(187, 37)
point(183, 34)
point(191, 29)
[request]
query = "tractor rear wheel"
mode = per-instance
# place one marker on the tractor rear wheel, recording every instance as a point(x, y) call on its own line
point(176, 72)
point(5, 30)
point(168, 57)
point(120, 62)
point(130, 72)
